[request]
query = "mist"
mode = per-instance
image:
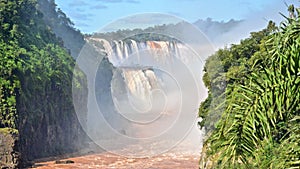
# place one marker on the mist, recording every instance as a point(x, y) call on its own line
point(252, 22)
point(148, 92)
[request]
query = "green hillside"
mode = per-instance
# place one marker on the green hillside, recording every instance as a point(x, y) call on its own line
point(35, 84)
point(252, 114)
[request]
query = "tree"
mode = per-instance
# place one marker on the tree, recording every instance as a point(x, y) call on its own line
point(260, 126)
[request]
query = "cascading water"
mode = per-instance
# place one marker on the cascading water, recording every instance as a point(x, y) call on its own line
point(135, 61)
point(144, 90)
point(151, 88)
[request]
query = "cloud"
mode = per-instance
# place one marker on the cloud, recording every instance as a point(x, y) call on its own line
point(133, 1)
point(80, 9)
point(110, 1)
point(78, 3)
point(119, 1)
point(255, 21)
point(81, 16)
point(82, 24)
point(151, 18)
point(99, 6)
point(141, 21)
point(175, 13)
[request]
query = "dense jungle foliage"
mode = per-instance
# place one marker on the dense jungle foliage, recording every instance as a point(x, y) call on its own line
point(212, 29)
point(252, 113)
point(36, 72)
point(33, 62)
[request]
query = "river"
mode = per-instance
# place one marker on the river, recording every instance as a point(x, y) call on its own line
point(112, 161)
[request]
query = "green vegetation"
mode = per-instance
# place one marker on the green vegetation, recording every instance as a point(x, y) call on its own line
point(31, 62)
point(257, 114)
point(139, 35)
point(36, 74)
point(211, 28)
point(8, 131)
point(62, 26)
point(228, 67)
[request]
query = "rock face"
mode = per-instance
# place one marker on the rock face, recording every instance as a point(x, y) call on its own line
point(36, 75)
point(9, 152)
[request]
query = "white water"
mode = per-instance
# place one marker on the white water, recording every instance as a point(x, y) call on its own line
point(156, 91)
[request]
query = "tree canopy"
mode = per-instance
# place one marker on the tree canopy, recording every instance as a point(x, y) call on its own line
point(258, 124)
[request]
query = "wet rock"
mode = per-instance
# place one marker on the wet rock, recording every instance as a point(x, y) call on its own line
point(64, 162)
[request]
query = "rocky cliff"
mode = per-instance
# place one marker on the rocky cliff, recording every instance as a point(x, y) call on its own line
point(36, 74)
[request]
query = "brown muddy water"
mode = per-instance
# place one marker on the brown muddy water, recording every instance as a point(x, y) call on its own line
point(112, 161)
point(185, 155)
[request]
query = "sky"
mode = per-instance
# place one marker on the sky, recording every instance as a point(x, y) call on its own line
point(92, 15)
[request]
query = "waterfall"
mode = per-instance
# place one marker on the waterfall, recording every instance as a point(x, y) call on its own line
point(138, 83)
point(135, 62)
point(142, 89)
point(140, 78)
